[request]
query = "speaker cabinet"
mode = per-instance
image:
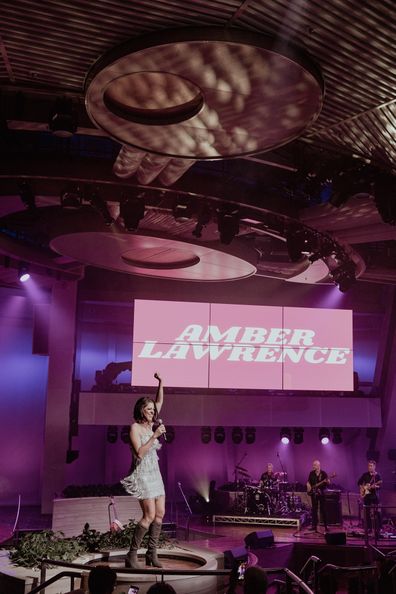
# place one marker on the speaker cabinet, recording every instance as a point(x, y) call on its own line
point(335, 538)
point(333, 508)
point(259, 539)
point(233, 555)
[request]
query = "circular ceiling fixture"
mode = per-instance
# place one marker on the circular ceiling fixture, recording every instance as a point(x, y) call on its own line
point(204, 93)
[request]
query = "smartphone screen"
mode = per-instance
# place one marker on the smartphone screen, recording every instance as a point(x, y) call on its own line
point(241, 570)
point(133, 590)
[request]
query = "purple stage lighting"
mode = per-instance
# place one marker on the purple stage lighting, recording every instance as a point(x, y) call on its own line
point(324, 436)
point(23, 273)
point(285, 435)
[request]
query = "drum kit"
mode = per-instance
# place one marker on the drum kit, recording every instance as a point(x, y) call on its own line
point(272, 497)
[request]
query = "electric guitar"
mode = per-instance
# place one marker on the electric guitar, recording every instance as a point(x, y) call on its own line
point(367, 488)
point(314, 488)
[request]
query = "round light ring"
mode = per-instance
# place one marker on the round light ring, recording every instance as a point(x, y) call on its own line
point(211, 93)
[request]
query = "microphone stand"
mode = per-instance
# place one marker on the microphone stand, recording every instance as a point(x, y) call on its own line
point(188, 509)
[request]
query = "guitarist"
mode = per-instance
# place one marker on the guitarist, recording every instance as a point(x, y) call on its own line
point(316, 485)
point(369, 484)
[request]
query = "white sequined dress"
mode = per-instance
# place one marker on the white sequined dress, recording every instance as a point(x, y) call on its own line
point(145, 482)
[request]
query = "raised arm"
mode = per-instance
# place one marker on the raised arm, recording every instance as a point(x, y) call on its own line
point(159, 398)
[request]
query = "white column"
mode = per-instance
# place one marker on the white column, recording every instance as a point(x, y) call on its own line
point(62, 330)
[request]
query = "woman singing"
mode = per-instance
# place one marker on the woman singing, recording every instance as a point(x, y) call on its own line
point(145, 482)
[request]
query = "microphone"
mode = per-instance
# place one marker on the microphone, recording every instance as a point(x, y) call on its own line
point(158, 423)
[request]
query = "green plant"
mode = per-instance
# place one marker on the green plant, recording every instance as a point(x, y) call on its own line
point(35, 546)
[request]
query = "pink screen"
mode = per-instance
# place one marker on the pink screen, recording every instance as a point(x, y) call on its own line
point(204, 345)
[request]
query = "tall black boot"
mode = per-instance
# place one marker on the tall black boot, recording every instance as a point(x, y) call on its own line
point(154, 534)
point(131, 557)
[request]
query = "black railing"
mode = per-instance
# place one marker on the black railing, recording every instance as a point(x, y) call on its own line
point(291, 579)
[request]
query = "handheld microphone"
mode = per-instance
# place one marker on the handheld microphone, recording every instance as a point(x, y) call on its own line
point(160, 422)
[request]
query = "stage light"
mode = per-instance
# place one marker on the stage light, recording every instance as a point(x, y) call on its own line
point(100, 205)
point(344, 275)
point(204, 217)
point(132, 212)
point(182, 208)
point(285, 435)
point(228, 224)
point(71, 198)
point(324, 436)
point(112, 433)
point(384, 196)
point(27, 195)
point(298, 435)
point(219, 435)
point(71, 456)
point(23, 273)
point(62, 119)
point(337, 435)
point(125, 434)
point(250, 435)
point(206, 434)
point(237, 435)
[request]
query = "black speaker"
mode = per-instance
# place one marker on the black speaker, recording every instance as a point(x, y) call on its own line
point(335, 538)
point(259, 539)
point(333, 508)
point(232, 555)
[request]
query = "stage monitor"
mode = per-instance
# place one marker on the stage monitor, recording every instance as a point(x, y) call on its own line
point(227, 346)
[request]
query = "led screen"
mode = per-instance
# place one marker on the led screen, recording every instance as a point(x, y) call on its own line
point(211, 345)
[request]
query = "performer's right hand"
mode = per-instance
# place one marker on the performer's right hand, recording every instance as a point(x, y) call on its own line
point(160, 431)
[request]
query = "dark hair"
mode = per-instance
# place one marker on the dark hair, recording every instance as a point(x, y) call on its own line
point(255, 580)
point(139, 406)
point(102, 580)
point(161, 588)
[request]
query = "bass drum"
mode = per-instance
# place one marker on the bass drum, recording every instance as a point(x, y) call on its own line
point(258, 503)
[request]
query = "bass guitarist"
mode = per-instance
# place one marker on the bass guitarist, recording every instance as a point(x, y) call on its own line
point(369, 485)
point(316, 486)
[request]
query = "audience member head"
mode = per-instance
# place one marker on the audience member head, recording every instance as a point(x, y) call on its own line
point(161, 588)
point(102, 580)
point(255, 580)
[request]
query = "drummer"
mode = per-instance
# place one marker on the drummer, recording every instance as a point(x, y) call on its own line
point(269, 479)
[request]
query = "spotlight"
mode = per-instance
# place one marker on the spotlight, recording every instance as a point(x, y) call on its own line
point(125, 434)
point(204, 218)
point(384, 195)
point(182, 208)
point(112, 433)
point(285, 435)
point(228, 224)
point(337, 435)
point(100, 205)
point(250, 435)
point(71, 198)
point(206, 434)
point(299, 242)
point(23, 273)
point(219, 435)
point(71, 456)
point(27, 195)
point(298, 435)
point(132, 212)
point(344, 275)
point(237, 435)
point(324, 436)
point(62, 119)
